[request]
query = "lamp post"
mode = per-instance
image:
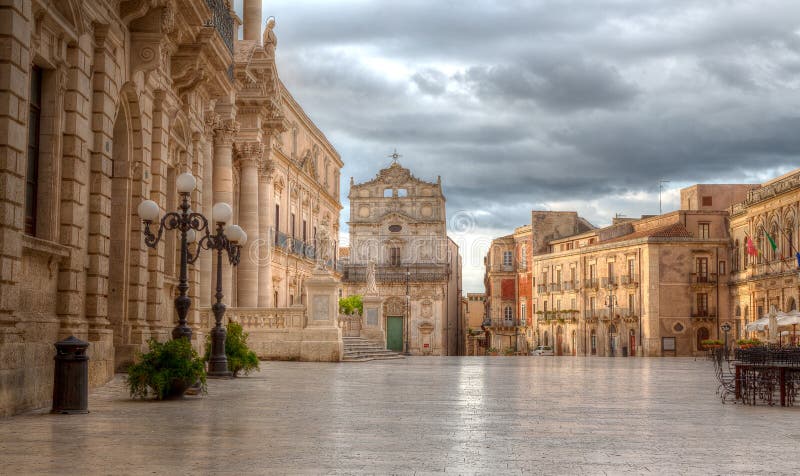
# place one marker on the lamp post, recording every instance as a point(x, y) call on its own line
point(725, 328)
point(189, 223)
point(610, 301)
point(408, 311)
point(229, 239)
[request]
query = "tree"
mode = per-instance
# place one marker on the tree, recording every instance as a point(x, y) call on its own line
point(351, 305)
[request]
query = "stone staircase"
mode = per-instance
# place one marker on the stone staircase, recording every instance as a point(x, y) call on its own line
point(358, 349)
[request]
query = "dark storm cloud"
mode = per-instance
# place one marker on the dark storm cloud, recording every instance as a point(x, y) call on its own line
point(561, 86)
point(543, 103)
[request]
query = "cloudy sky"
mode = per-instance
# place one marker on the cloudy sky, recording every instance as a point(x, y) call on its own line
point(548, 105)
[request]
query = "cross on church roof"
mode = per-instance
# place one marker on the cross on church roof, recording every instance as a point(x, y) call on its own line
point(394, 156)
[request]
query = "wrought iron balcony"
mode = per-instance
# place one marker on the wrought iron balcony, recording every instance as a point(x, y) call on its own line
point(700, 279)
point(396, 274)
point(222, 20)
point(700, 313)
point(555, 287)
point(629, 280)
point(608, 281)
point(590, 283)
point(541, 289)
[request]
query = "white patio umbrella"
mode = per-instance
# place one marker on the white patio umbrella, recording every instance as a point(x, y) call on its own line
point(757, 325)
point(791, 318)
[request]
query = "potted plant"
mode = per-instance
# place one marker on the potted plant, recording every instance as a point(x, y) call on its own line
point(508, 351)
point(748, 343)
point(240, 357)
point(709, 344)
point(492, 351)
point(166, 370)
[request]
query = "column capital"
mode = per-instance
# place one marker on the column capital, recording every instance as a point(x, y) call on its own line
point(265, 169)
point(225, 131)
point(249, 153)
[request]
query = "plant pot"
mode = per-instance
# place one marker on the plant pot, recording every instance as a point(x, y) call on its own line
point(177, 388)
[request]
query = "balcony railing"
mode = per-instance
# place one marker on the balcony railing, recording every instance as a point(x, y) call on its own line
point(703, 278)
point(629, 280)
point(591, 314)
point(222, 21)
point(608, 281)
point(590, 283)
point(541, 289)
point(395, 274)
point(555, 287)
point(702, 313)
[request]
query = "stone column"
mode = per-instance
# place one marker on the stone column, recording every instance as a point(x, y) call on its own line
point(206, 202)
point(223, 186)
point(247, 274)
point(252, 20)
point(265, 238)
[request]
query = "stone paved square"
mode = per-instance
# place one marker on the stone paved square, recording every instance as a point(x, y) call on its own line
point(500, 415)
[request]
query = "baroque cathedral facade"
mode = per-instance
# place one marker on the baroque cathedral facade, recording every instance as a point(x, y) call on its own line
point(399, 242)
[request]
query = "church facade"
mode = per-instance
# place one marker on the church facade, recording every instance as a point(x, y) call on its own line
point(398, 238)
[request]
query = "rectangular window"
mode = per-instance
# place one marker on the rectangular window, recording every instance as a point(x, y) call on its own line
point(611, 273)
point(292, 225)
point(305, 227)
point(702, 270)
point(631, 269)
point(631, 303)
point(592, 304)
point(592, 272)
point(702, 304)
point(508, 258)
point(721, 268)
point(522, 314)
point(394, 256)
point(703, 230)
point(32, 172)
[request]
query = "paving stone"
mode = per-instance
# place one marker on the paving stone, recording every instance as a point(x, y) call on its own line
point(469, 415)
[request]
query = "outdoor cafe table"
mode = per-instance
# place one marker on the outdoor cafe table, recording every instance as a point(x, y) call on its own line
point(759, 377)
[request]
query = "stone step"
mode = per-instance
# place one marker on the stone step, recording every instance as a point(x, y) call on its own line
point(359, 349)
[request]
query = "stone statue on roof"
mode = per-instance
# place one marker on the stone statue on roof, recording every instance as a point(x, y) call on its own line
point(269, 40)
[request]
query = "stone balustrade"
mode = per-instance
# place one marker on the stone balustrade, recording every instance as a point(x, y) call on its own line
point(254, 318)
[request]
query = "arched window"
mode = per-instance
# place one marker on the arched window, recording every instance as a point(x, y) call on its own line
point(777, 239)
point(791, 305)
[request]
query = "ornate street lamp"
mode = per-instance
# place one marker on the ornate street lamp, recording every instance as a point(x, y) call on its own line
point(189, 223)
point(229, 239)
point(611, 300)
point(726, 328)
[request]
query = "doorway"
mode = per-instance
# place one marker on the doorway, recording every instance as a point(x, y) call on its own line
point(394, 333)
point(632, 342)
point(559, 341)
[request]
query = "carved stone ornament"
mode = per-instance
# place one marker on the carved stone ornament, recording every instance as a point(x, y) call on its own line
point(226, 131)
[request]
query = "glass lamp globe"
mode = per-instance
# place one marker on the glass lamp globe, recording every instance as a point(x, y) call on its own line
point(148, 210)
point(191, 236)
point(186, 183)
point(221, 212)
point(235, 234)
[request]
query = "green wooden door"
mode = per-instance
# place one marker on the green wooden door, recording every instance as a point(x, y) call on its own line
point(394, 333)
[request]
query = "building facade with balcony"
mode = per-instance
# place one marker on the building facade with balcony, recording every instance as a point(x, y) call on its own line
point(638, 287)
point(398, 223)
point(112, 101)
point(769, 277)
point(504, 326)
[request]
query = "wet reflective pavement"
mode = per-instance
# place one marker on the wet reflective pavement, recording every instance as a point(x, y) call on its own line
point(489, 415)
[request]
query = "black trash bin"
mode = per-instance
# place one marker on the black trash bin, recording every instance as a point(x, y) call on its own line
point(624, 350)
point(71, 377)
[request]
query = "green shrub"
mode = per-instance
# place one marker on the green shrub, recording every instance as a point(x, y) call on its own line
point(351, 305)
point(167, 370)
point(240, 357)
